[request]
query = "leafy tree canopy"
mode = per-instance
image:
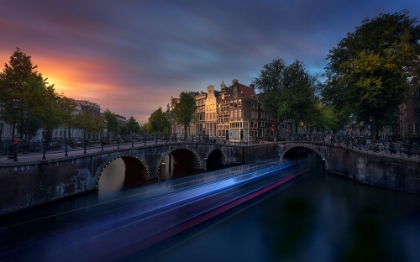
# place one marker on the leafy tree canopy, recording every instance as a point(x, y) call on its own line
point(133, 126)
point(288, 91)
point(370, 72)
point(184, 110)
point(158, 121)
point(39, 104)
point(111, 120)
point(89, 123)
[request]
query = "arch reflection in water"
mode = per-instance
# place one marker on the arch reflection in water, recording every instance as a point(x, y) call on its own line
point(112, 178)
point(122, 173)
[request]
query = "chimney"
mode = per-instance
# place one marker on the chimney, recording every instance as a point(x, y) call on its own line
point(252, 86)
point(234, 81)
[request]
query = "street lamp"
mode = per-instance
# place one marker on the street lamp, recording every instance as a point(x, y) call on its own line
point(15, 106)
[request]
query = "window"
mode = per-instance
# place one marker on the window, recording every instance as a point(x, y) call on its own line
point(239, 114)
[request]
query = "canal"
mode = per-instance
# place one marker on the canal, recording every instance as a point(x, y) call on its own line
point(318, 217)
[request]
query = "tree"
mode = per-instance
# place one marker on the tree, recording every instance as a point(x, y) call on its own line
point(132, 126)
point(112, 124)
point(51, 114)
point(328, 118)
point(288, 91)
point(159, 121)
point(184, 110)
point(370, 72)
point(86, 122)
point(170, 117)
point(269, 83)
point(38, 100)
point(68, 107)
point(16, 80)
point(147, 127)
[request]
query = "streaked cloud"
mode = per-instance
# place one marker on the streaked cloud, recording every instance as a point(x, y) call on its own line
point(132, 56)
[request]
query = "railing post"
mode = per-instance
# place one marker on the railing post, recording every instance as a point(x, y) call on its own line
point(16, 149)
point(43, 150)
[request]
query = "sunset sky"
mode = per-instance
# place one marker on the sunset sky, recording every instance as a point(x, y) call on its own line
point(132, 56)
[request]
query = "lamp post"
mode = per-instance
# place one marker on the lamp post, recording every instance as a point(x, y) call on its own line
point(132, 141)
point(44, 148)
point(15, 106)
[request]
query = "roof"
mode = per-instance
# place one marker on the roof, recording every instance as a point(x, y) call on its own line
point(174, 100)
point(247, 92)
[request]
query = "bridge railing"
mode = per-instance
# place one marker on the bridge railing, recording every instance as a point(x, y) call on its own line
point(406, 148)
point(60, 149)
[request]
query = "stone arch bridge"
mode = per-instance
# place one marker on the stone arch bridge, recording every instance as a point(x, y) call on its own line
point(25, 184)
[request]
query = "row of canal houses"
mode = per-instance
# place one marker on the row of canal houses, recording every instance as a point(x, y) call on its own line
point(234, 113)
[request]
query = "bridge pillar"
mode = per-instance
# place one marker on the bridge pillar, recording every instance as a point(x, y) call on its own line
point(204, 164)
point(167, 167)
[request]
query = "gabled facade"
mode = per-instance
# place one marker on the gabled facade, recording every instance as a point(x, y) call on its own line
point(223, 103)
point(232, 114)
point(266, 123)
point(211, 112)
point(200, 119)
point(243, 113)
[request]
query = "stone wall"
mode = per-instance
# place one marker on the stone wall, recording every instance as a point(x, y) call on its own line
point(29, 184)
point(26, 184)
point(375, 169)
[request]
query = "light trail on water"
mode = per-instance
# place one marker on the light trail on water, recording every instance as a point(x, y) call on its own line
point(123, 229)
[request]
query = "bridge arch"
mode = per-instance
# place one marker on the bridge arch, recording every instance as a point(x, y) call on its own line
point(181, 156)
point(135, 169)
point(307, 146)
point(215, 159)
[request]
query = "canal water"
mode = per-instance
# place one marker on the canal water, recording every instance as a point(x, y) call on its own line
point(320, 217)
